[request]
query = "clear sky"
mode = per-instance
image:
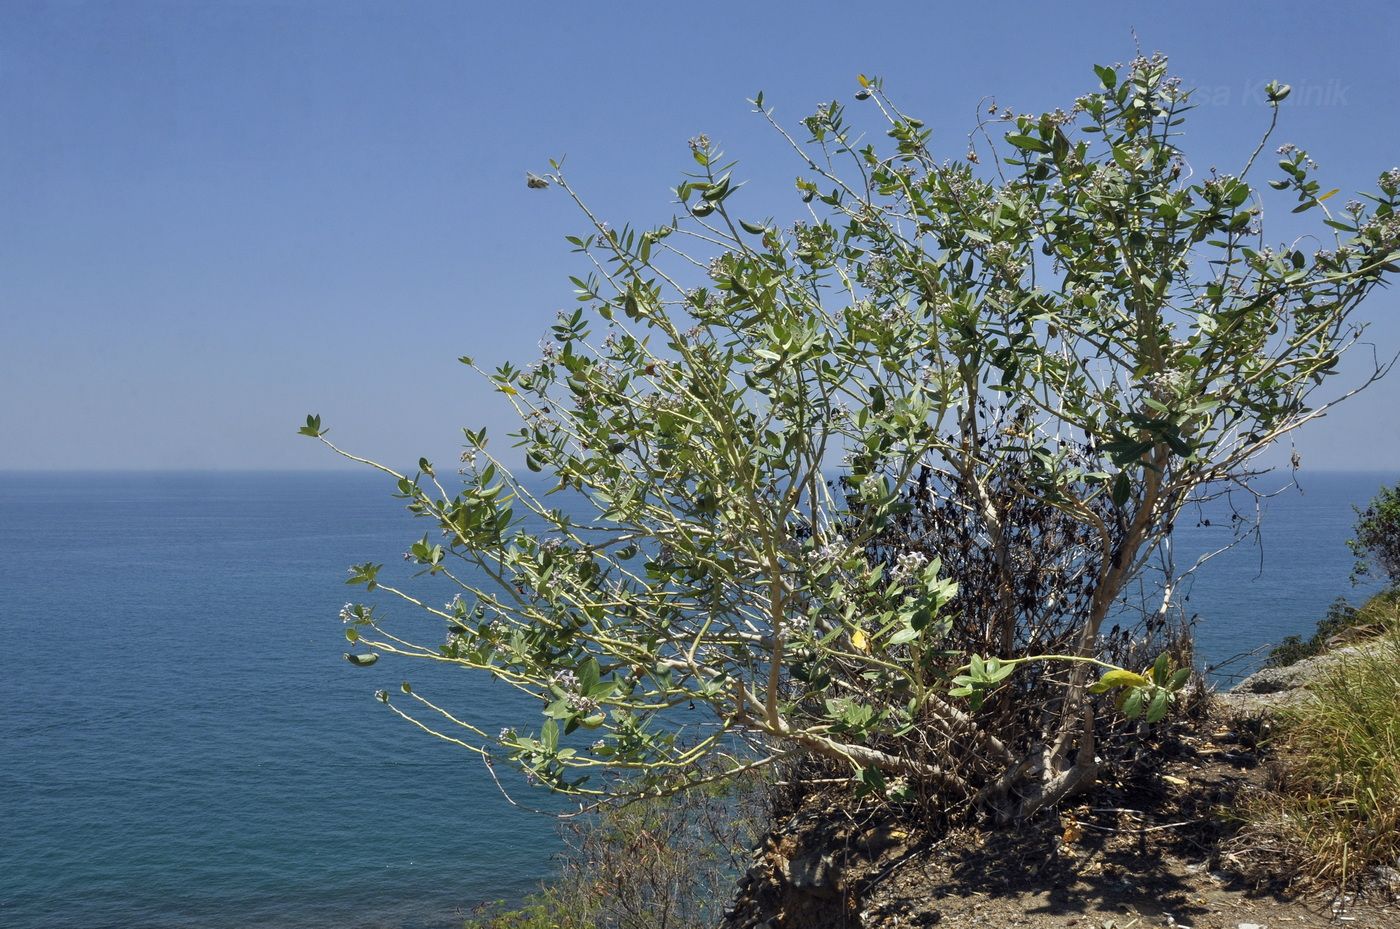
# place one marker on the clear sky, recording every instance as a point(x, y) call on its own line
point(217, 217)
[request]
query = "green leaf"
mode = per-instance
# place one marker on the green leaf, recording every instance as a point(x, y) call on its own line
point(1157, 708)
point(717, 191)
point(312, 427)
point(364, 574)
point(995, 671)
point(588, 674)
point(871, 781)
point(904, 636)
point(362, 660)
point(549, 736)
point(1122, 489)
point(1026, 142)
point(1118, 677)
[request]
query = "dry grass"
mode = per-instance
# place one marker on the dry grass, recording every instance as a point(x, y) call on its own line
point(1334, 808)
point(653, 864)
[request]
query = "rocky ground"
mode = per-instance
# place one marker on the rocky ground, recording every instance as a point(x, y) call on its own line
point(1267, 690)
point(1153, 852)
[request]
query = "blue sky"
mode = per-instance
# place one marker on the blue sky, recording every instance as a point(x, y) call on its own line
point(215, 218)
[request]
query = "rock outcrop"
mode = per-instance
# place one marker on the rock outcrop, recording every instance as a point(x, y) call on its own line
point(1274, 688)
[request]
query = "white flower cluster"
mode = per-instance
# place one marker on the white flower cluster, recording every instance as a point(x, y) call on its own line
point(829, 553)
point(582, 704)
point(1166, 385)
point(720, 268)
point(798, 625)
point(702, 299)
point(907, 565)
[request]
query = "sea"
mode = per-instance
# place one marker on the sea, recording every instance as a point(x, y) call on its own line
point(183, 746)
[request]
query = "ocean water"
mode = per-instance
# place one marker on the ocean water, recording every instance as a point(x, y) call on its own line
point(182, 745)
point(1281, 579)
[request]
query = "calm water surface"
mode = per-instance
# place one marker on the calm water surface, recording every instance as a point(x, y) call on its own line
point(183, 745)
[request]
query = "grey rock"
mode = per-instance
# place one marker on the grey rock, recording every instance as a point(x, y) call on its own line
point(1271, 688)
point(1384, 877)
point(1299, 674)
point(816, 872)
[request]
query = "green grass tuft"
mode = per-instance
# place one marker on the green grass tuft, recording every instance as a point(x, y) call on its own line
point(1334, 809)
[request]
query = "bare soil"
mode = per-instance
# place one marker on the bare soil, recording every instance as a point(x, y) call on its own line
point(1154, 852)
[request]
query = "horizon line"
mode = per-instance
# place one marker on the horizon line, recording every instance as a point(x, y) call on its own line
point(353, 469)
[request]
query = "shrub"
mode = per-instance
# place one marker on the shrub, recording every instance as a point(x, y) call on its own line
point(1341, 616)
point(1065, 330)
point(1377, 541)
point(1343, 623)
